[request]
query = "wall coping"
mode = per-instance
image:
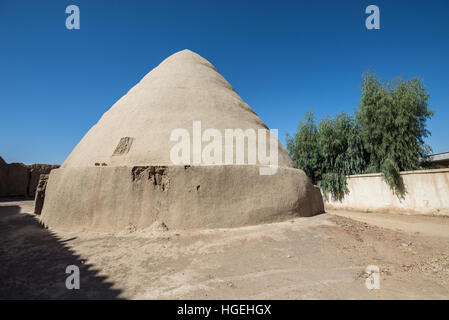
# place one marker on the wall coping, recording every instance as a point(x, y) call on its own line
point(402, 173)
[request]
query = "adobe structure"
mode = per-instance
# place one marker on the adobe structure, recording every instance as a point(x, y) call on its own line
point(120, 175)
point(21, 180)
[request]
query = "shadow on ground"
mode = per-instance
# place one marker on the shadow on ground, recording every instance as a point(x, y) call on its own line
point(33, 262)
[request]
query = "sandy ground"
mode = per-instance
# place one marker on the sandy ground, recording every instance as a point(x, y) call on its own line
point(323, 257)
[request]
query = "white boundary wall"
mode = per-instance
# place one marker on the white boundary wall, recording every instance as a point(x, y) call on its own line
point(427, 192)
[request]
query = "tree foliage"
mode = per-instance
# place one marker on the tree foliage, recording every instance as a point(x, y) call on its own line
point(385, 135)
point(328, 152)
point(303, 148)
point(342, 151)
point(393, 120)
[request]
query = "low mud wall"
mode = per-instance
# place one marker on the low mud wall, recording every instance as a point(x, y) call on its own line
point(426, 192)
point(180, 197)
point(18, 179)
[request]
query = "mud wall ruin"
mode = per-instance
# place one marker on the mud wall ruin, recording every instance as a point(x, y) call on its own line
point(18, 179)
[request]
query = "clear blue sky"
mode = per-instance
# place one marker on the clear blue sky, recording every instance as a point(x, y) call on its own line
point(282, 57)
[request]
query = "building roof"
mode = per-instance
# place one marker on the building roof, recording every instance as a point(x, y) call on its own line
point(439, 159)
point(184, 88)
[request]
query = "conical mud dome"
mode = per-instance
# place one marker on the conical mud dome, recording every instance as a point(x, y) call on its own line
point(121, 176)
point(184, 88)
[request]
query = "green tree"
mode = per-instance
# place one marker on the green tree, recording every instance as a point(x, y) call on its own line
point(303, 148)
point(342, 153)
point(392, 117)
point(386, 135)
point(328, 152)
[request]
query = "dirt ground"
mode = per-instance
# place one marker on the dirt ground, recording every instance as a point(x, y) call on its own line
point(322, 257)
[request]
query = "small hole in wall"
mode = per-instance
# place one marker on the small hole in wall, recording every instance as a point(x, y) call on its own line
point(198, 187)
